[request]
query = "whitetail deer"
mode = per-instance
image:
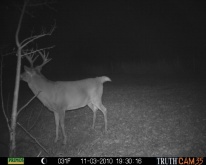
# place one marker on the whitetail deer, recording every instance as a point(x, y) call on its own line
point(59, 96)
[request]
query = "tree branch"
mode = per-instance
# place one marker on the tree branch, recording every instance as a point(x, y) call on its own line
point(2, 99)
point(32, 38)
point(33, 138)
point(45, 3)
point(27, 103)
point(25, 54)
point(10, 53)
point(19, 24)
point(36, 120)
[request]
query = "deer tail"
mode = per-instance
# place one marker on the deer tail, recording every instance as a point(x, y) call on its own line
point(104, 79)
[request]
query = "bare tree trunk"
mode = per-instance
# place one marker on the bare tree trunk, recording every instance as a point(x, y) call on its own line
point(12, 149)
point(20, 54)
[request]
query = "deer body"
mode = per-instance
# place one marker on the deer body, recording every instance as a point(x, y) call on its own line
point(59, 96)
point(67, 95)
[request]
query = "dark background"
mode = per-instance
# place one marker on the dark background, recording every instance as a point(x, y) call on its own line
point(115, 36)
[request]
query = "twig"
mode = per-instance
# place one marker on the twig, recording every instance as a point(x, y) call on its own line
point(52, 8)
point(2, 99)
point(19, 25)
point(27, 103)
point(10, 53)
point(7, 105)
point(45, 3)
point(26, 11)
point(25, 54)
point(39, 154)
point(36, 120)
point(32, 38)
point(40, 4)
point(28, 122)
point(33, 138)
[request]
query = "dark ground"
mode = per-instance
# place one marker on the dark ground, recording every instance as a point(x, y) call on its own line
point(147, 116)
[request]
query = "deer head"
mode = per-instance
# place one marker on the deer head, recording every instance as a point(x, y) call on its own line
point(32, 71)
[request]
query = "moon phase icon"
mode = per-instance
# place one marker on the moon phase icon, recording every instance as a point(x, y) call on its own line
point(43, 160)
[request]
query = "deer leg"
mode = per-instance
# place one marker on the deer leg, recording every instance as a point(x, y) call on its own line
point(94, 117)
point(56, 115)
point(62, 120)
point(104, 111)
point(94, 109)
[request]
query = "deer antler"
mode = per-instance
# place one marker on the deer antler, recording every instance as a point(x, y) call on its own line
point(44, 57)
point(30, 57)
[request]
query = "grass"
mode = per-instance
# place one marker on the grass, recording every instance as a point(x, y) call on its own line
point(147, 116)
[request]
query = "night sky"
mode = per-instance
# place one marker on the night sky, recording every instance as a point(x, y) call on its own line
point(109, 32)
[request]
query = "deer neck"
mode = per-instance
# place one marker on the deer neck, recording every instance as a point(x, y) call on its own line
point(38, 84)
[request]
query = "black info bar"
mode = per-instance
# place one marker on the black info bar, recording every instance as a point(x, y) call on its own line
point(103, 160)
